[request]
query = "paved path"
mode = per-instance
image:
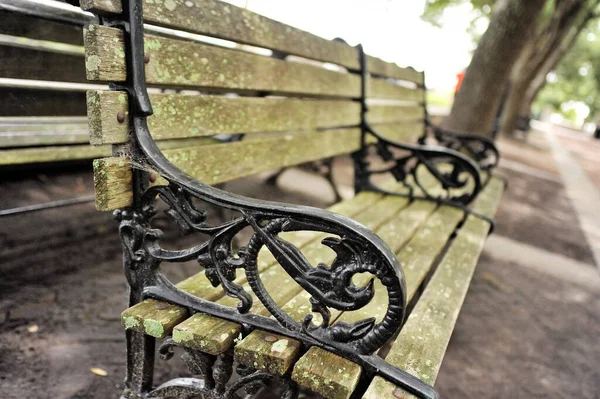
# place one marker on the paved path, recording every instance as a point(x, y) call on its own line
point(580, 189)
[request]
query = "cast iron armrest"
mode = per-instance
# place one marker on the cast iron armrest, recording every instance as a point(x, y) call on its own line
point(479, 148)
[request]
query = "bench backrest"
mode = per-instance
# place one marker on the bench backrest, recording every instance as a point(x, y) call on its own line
point(43, 83)
point(292, 94)
point(42, 60)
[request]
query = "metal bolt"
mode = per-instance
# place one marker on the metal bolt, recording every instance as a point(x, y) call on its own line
point(271, 338)
point(146, 58)
point(121, 117)
point(398, 393)
point(153, 176)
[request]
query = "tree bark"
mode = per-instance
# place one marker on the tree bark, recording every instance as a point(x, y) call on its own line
point(539, 57)
point(477, 102)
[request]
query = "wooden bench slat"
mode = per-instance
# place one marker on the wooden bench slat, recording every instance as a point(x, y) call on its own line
point(383, 89)
point(52, 154)
point(421, 345)
point(179, 115)
point(17, 24)
point(20, 156)
point(402, 132)
point(379, 67)
point(40, 64)
point(187, 64)
point(40, 135)
point(27, 102)
point(395, 113)
point(225, 21)
point(200, 286)
point(224, 162)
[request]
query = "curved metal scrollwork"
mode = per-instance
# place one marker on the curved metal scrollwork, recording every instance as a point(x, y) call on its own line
point(481, 149)
point(358, 250)
point(457, 177)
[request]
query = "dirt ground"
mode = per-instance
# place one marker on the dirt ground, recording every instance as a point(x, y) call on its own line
point(521, 333)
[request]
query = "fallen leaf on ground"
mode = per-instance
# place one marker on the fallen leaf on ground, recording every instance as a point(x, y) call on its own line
point(99, 371)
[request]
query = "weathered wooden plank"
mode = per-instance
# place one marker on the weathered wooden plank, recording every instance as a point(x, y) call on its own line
point(272, 353)
point(225, 21)
point(402, 132)
point(383, 89)
point(36, 135)
point(381, 68)
point(30, 102)
point(51, 154)
point(17, 24)
point(200, 286)
point(214, 165)
point(179, 115)
point(157, 324)
point(27, 63)
point(395, 113)
point(188, 64)
point(328, 374)
point(421, 345)
point(112, 183)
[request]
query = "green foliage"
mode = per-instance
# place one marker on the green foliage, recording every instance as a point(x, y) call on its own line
point(577, 76)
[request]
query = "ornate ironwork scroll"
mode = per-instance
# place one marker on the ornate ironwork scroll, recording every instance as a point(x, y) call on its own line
point(456, 176)
point(480, 149)
point(357, 249)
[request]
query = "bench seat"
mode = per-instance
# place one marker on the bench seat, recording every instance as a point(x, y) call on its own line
point(417, 231)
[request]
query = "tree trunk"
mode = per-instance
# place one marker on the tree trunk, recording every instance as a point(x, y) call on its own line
point(477, 102)
point(540, 57)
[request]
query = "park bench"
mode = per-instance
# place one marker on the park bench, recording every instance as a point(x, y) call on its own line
point(43, 84)
point(314, 299)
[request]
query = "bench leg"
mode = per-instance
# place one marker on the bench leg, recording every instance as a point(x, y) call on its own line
point(140, 365)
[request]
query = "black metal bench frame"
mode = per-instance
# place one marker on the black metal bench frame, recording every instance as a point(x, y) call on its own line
point(358, 250)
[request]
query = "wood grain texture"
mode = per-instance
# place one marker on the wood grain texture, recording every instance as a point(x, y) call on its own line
point(144, 317)
point(384, 89)
point(264, 351)
point(225, 21)
point(113, 178)
point(21, 156)
point(43, 134)
point(34, 102)
point(214, 165)
point(328, 374)
point(197, 333)
point(395, 113)
point(17, 24)
point(179, 115)
point(421, 345)
point(387, 69)
point(188, 64)
point(40, 64)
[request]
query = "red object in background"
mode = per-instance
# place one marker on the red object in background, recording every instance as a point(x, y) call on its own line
point(459, 76)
